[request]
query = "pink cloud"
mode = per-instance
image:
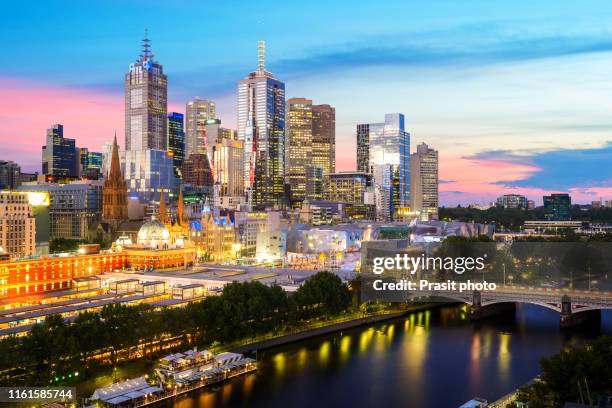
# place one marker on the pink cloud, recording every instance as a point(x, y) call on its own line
point(28, 108)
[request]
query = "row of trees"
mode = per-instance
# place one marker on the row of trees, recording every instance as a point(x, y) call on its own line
point(55, 348)
point(582, 375)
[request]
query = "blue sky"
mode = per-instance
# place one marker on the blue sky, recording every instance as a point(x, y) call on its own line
point(472, 77)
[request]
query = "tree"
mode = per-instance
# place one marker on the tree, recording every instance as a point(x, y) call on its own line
point(63, 245)
point(323, 293)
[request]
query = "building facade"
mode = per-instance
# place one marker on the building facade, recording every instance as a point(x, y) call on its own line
point(10, 175)
point(229, 168)
point(147, 173)
point(298, 146)
point(424, 182)
point(146, 102)
point(59, 155)
point(363, 148)
point(261, 126)
point(512, 201)
point(197, 113)
point(17, 225)
point(176, 140)
point(324, 138)
point(196, 171)
point(389, 162)
point(349, 187)
point(557, 207)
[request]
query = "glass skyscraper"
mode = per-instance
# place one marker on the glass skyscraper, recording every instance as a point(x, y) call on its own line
point(389, 162)
point(59, 155)
point(197, 114)
point(176, 140)
point(261, 126)
point(146, 102)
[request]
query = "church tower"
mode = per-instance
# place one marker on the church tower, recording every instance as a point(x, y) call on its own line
point(114, 198)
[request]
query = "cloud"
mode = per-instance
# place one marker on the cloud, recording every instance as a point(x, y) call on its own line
point(561, 169)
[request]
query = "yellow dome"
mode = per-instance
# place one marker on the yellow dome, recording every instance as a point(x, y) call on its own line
point(153, 233)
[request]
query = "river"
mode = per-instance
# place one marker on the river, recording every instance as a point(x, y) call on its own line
point(435, 358)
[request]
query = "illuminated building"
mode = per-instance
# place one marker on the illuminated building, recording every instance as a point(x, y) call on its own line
point(298, 145)
point(389, 162)
point(229, 170)
point(215, 132)
point(114, 196)
point(214, 238)
point(197, 173)
point(154, 235)
point(90, 164)
point(10, 175)
point(146, 100)
point(59, 155)
point(249, 224)
point(147, 173)
point(176, 140)
point(74, 207)
point(261, 126)
point(17, 224)
point(324, 138)
point(424, 181)
point(271, 245)
point(197, 113)
point(349, 187)
point(363, 148)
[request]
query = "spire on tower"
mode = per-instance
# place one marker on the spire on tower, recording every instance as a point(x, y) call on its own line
point(261, 56)
point(115, 169)
point(146, 45)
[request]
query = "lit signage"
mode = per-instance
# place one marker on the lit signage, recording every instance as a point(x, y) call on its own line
point(39, 198)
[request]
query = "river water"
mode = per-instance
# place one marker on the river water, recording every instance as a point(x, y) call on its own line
point(435, 358)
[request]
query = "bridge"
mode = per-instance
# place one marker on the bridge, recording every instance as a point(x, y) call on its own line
point(574, 306)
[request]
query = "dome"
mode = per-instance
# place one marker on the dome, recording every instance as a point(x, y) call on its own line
point(154, 234)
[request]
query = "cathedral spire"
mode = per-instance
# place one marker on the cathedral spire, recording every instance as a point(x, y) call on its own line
point(115, 169)
point(181, 208)
point(162, 208)
point(114, 193)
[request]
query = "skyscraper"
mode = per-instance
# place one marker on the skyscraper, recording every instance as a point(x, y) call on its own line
point(17, 224)
point(114, 192)
point(59, 155)
point(389, 162)
point(176, 140)
point(10, 175)
point(298, 146)
point(363, 148)
point(229, 172)
point(557, 207)
point(197, 113)
point(146, 102)
point(261, 126)
point(324, 138)
point(424, 181)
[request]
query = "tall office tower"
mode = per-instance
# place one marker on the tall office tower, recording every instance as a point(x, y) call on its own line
point(17, 224)
point(114, 192)
point(424, 181)
point(197, 113)
point(558, 207)
point(90, 164)
point(349, 187)
point(324, 138)
point(176, 140)
point(10, 175)
point(363, 148)
point(229, 172)
point(298, 150)
point(146, 102)
point(59, 155)
point(196, 172)
point(389, 161)
point(261, 126)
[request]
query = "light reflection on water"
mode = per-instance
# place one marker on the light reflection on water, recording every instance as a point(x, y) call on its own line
point(428, 359)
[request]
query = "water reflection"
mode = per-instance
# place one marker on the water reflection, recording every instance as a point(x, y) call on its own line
point(428, 359)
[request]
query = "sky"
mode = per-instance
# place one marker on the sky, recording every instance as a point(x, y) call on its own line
point(515, 95)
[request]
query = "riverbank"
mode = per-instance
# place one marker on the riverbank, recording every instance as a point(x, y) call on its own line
point(108, 375)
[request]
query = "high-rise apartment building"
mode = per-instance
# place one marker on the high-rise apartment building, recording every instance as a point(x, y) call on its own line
point(363, 148)
point(261, 126)
point(298, 151)
point(59, 155)
point(324, 138)
point(389, 162)
point(424, 181)
point(10, 175)
point(229, 168)
point(197, 114)
point(146, 102)
point(176, 140)
point(17, 224)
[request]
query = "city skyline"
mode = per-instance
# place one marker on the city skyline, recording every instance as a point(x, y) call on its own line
point(462, 93)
